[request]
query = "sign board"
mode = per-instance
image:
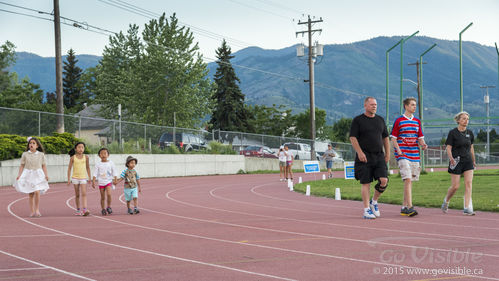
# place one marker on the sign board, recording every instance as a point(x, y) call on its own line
point(349, 170)
point(311, 167)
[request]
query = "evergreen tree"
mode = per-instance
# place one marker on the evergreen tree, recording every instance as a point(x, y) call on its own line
point(71, 76)
point(230, 113)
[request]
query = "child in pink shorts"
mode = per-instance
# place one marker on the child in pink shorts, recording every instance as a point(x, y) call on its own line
point(105, 173)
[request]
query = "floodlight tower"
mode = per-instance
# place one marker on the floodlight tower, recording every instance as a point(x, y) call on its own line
point(487, 102)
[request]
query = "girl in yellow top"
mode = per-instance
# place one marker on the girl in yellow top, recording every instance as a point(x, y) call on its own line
point(81, 169)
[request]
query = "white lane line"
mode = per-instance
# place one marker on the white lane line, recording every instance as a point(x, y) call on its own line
point(445, 236)
point(337, 214)
point(23, 269)
point(301, 233)
point(247, 243)
point(258, 245)
point(30, 236)
point(345, 207)
point(44, 265)
point(140, 250)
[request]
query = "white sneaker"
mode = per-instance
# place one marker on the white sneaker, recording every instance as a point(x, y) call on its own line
point(368, 214)
point(374, 208)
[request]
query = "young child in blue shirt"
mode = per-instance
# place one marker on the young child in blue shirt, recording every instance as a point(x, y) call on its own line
point(132, 184)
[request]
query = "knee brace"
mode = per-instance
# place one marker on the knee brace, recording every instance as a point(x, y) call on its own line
point(380, 188)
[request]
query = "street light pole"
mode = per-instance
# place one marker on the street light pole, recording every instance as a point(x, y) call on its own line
point(421, 108)
point(387, 83)
point(402, 67)
point(461, 64)
point(487, 102)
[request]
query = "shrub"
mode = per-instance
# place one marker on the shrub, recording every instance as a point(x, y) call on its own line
point(218, 148)
point(12, 146)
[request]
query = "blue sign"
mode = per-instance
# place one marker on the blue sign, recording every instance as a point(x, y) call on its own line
point(311, 167)
point(349, 169)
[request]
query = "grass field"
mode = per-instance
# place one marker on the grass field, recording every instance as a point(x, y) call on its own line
point(429, 191)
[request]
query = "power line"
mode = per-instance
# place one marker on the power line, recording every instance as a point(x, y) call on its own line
point(74, 23)
point(151, 15)
point(206, 59)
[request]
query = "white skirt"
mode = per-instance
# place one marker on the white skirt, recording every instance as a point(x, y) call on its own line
point(31, 181)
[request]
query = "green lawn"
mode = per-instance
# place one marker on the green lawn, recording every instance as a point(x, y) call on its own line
point(429, 191)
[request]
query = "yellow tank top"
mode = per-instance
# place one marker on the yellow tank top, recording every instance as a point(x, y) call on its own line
point(79, 167)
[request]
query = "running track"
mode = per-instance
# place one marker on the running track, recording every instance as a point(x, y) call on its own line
point(238, 227)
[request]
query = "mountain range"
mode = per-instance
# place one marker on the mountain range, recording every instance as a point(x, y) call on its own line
point(344, 76)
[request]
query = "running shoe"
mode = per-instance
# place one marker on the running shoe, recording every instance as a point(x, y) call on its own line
point(130, 211)
point(85, 212)
point(136, 210)
point(109, 210)
point(410, 212)
point(374, 208)
point(368, 214)
point(78, 213)
point(468, 212)
point(445, 207)
point(103, 212)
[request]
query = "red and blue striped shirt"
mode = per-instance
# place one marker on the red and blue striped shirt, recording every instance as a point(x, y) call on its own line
point(407, 131)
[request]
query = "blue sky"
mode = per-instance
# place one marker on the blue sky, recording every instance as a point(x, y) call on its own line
point(270, 24)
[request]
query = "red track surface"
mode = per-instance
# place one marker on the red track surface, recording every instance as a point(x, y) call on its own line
point(238, 227)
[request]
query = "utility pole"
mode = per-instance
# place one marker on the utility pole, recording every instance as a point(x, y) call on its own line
point(487, 102)
point(58, 69)
point(418, 88)
point(312, 53)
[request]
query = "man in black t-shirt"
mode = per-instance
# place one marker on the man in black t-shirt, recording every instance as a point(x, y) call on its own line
point(369, 136)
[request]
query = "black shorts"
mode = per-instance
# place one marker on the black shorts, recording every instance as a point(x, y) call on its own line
point(462, 166)
point(374, 169)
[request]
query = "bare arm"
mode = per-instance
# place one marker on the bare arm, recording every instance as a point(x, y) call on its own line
point(396, 146)
point(44, 168)
point(138, 183)
point(422, 143)
point(69, 169)
point(88, 167)
point(21, 168)
point(449, 154)
point(473, 154)
point(356, 146)
point(386, 144)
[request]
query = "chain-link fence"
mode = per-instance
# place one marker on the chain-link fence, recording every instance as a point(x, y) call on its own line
point(100, 131)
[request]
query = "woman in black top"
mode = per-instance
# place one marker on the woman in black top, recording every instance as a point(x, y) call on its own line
point(461, 161)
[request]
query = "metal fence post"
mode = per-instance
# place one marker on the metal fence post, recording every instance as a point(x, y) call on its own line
point(39, 123)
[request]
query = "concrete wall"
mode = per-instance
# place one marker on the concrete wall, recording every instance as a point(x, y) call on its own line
point(255, 164)
point(158, 165)
point(150, 165)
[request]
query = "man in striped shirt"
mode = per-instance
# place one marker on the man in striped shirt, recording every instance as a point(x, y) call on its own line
point(407, 136)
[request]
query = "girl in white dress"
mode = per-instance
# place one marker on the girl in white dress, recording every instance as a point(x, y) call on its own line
point(32, 177)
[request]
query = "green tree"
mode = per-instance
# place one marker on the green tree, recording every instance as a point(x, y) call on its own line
point(230, 113)
point(275, 120)
point(482, 136)
point(71, 88)
point(7, 58)
point(341, 130)
point(154, 76)
point(302, 124)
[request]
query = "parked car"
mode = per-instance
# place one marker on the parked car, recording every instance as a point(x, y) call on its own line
point(258, 151)
point(300, 151)
point(184, 141)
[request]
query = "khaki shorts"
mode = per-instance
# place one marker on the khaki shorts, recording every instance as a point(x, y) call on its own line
point(409, 170)
point(282, 163)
